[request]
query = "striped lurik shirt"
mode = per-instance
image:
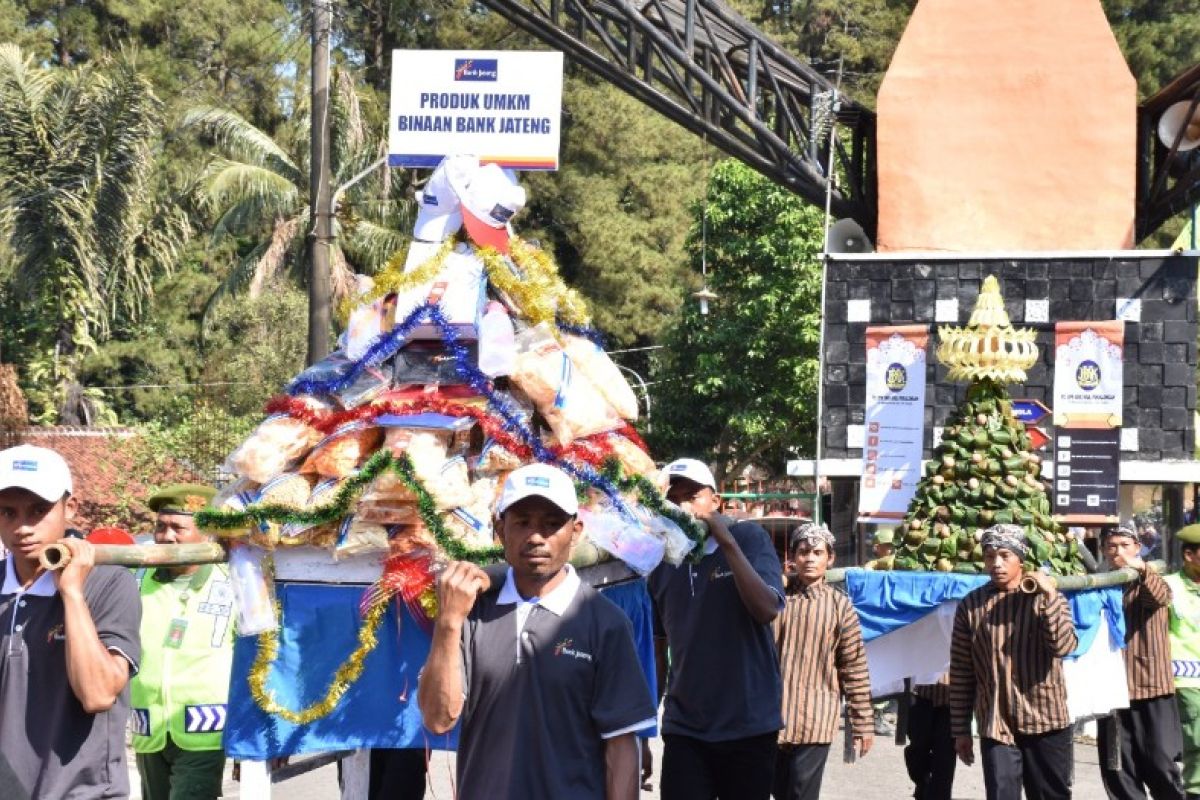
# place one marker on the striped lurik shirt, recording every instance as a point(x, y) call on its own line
point(937, 693)
point(1006, 663)
point(822, 658)
point(1147, 648)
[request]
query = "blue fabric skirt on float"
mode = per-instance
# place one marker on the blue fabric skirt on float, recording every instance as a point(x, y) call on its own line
point(379, 710)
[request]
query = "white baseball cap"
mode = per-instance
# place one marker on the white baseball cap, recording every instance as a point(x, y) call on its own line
point(691, 469)
point(439, 213)
point(36, 469)
point(490, 198)
point(539, 480)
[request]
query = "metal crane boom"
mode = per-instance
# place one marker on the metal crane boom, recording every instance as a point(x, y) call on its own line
point(708, 69)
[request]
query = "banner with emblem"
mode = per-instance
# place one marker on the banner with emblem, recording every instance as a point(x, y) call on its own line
point(1088, 398)
point(504, 106)
point(894, 421)
point(1088, 374)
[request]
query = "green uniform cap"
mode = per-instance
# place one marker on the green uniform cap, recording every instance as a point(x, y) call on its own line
point(885, 536)
point(1189, 534)
point(181, 498)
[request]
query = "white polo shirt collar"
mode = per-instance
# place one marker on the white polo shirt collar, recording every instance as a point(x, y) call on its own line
point(555, 602)
point(42, 587)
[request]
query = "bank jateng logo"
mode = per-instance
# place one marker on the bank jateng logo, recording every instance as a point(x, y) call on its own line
point(476, 69)
point(896, 377)
point(565, 647)
point(1087, 375)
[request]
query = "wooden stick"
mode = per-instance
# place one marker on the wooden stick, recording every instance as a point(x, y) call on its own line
point(1095, 580)
point(57, 556)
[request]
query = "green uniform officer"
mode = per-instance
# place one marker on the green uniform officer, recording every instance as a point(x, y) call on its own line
point(1184, 632)
point(178, 697)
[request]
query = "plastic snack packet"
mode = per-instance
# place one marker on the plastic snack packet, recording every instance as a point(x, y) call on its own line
point(602, 371)
point(274, 446)
point(253, 590)
point(341, 453)
point(571, 404)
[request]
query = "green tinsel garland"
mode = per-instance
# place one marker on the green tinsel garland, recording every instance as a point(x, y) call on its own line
point(339, 507)
point(349, 492)
point(651, 498)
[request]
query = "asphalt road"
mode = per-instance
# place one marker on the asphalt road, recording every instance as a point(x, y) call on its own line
point(879, 776)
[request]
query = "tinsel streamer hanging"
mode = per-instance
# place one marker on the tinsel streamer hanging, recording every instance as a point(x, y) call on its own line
point(652, 499)
point(393, 278)
point(594, 449)
point(471, 373)
point(241, 520)
point(411, 577)
point(530, 278)
point(344, 676)
point(384, 347)
point(584, 331)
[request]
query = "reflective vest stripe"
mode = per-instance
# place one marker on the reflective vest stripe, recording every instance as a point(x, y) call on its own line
point(204, 719)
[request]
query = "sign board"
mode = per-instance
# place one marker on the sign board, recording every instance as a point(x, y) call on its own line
point(503, 106)
point(895, 421)
point(1037, 438)
point(1087, 466)
point(1030, 412)
point(1089, 374)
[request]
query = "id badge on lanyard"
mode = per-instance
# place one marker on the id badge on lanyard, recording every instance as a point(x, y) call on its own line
point(175, 633)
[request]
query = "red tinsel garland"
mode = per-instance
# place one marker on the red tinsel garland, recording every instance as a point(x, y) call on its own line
point(593, 450)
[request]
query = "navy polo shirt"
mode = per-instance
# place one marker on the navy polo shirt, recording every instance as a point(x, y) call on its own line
point(724, 679)
point(547, 681)
point(52, 747)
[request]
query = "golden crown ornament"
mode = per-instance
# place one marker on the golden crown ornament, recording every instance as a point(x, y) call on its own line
point(989, 347)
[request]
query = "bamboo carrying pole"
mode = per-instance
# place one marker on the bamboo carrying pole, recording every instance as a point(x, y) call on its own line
point(56, 556)
point(1068, 583)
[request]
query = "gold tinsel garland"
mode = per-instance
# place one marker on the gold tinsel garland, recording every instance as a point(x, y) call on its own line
point(393, 278)
point(347, 673)
point(537, 289)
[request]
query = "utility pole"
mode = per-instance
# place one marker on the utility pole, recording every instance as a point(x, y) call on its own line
point(320, 211)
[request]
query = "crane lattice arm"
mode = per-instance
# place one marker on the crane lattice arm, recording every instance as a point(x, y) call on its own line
point(708, 69)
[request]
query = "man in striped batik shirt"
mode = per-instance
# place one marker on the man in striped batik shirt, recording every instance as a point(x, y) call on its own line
point(822, 658)
point(1147, 732)
point(1006, 667)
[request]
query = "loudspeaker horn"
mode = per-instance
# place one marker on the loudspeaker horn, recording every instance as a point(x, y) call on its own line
point(847, 236)
point(1176, 117)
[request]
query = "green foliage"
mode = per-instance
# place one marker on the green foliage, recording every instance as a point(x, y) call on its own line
point(86, 231)
point(738, 386)
point(256, 190)
point(617, 216)
point(1160, 38)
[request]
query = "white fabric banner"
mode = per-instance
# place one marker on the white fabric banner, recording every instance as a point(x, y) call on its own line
point(921, 650)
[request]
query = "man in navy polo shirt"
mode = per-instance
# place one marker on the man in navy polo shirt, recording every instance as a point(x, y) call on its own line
point(70, 644)
point(542, 671)
point(722, 712)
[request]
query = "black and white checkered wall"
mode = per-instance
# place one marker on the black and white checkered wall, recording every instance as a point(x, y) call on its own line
point(1154, 294)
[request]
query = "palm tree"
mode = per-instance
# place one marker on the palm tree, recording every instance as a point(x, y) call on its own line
point(257, 187)
point(85, 231)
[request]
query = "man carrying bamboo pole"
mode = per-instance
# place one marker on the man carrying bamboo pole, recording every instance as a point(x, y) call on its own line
point(721, 714)
point(178, 699)
point(70, 643)
point(1006, 656)
point(1147, 733)
point(541, 670)
point(1184, 628)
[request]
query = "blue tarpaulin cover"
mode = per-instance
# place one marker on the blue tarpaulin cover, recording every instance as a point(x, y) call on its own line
point(887, 601)
point(320, 628)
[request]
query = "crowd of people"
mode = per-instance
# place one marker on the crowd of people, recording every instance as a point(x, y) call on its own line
point(756, 660)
